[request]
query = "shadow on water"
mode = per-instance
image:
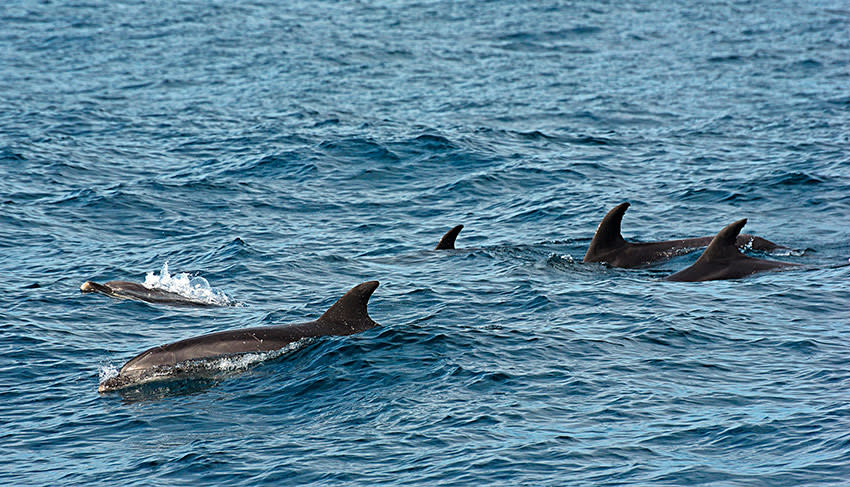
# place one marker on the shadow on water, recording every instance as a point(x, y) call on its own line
point(157, 391)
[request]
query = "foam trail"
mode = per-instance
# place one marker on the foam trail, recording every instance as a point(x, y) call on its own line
point(239, 362)
point(194, 287)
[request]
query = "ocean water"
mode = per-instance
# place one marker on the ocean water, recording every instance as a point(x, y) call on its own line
point(275, 154)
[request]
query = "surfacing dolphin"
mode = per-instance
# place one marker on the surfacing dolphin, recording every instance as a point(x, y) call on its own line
point(346, 317)
point(723, 260)
point(140, 292)
point(448, 240)
point(609, 246)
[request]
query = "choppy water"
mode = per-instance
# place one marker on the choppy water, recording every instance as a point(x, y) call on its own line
point(286, 151)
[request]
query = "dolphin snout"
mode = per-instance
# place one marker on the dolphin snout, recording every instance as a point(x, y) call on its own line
point(111, 384)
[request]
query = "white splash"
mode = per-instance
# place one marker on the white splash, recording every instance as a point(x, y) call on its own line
point(240, 362)
point(779, 251)
point(106, 372)
point(788, 252)
point(193, 287)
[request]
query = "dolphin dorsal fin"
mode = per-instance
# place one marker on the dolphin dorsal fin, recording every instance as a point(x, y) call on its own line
point(448, 240)
point(607, 234)
point(351, 308)
point(723, 244)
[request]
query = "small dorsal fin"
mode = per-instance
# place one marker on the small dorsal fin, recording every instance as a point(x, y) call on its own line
point(351, 308)
point(607, 234)
point(723, 244)
point(448, 240)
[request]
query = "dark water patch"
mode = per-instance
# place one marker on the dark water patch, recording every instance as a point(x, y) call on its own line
point(705, 195)
point(744, 59)
point(794, 179)
point(775, 183)
point(741, 197)
point(84, 196)
point(355, 149)
point(551, 35)
point(805, 65)
point(433, 143)
point(592, 140)
point(326, 123)
point(234, 251)
point(475, 185)
point(109, 206)
point(676, 337)
point(741, 436)
point(411, 334)
point(526, 46)
point(10, 155)
point(289, 165)
point(690, 475)
point(840, 101)
point(805, 347)
point(535, 135)
point(567, 140)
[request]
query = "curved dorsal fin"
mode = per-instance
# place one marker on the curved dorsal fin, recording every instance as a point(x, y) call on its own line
point(351, 308)
point(607, 234)
point(723, 244)
point(448, 240)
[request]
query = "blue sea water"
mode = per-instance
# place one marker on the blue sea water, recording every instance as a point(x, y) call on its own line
point(286, 151)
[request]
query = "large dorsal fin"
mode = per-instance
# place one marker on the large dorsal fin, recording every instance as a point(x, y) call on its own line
point(723, 244)
point(351, 308)
point(448, 240)
point(607, 234)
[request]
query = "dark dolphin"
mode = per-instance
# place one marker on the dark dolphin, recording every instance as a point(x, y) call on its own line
point(139, 292)
point(448, 240)
point(723, 260)
point(609, 246)
point(347, 316)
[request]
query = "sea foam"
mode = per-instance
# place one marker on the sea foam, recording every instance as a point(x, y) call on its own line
point(193, 287)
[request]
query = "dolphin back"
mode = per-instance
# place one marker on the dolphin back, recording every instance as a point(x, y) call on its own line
point(723, 260)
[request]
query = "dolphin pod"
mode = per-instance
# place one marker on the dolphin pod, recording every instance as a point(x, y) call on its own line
point(720, 260)
point(347, 316)
point(139, 292)
point(609, 246)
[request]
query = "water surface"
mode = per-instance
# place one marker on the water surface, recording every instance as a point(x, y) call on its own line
point(287, 152)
